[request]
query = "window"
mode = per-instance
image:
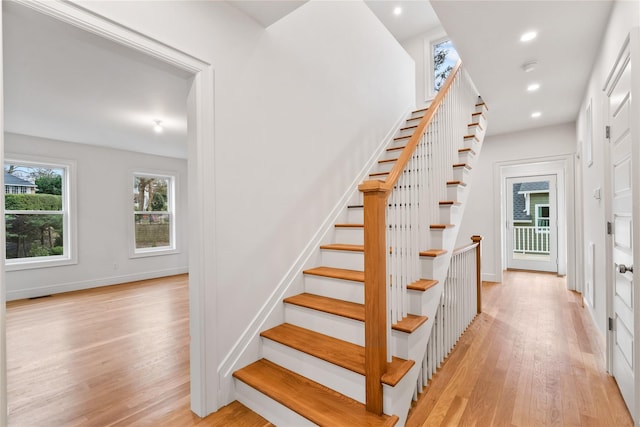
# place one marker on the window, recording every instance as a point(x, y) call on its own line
point(444, 57)
point(153, 214)
point(37, 214)
point(542, 218)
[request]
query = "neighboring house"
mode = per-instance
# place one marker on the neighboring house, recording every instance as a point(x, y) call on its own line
point(531, 204)
point(15, 185)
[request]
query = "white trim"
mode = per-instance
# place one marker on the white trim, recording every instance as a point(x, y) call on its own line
point(202, 254)
point(248, 340)
point(3, 282)
point(70, 216)
point(57, 288)
point(566, 209)
point(172, 248)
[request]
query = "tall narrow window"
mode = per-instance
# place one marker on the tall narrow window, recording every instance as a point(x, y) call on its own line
point(37, 214)
point(153, 213)
point(445, 57)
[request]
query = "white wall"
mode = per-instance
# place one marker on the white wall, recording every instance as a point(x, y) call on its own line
point(104, 193)
point(483, 204)
point(624, 16)
point(419, 48)
point(300, 107)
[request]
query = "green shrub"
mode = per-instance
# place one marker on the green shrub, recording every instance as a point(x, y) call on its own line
point(32, 202)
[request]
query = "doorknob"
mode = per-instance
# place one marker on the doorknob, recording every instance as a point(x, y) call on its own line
point(623, 268)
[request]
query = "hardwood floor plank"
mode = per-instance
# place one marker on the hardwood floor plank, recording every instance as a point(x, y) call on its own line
point(533, 357)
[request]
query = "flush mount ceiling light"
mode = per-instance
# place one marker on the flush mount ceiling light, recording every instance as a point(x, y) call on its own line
point(157, 126)
point(529, 66)
point(528, 36)
point(533, 87)
point(397, 10)
point(536, 114)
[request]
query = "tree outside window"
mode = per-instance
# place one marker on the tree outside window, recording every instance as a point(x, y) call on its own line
point(445, 57)
point(153, 213)
point(36, 212)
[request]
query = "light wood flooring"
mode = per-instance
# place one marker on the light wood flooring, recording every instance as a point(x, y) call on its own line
point(532, 358)
point(118, 356)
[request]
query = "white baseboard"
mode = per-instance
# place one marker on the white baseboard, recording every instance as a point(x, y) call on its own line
point(490, 277)
point(38, 291)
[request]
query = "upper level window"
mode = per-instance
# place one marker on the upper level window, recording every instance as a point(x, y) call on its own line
point(445, 57)
point(153, 214)
point(37, 214)
point(542, 218)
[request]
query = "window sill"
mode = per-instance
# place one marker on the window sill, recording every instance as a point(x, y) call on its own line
point(153, 252)
point(31, 264)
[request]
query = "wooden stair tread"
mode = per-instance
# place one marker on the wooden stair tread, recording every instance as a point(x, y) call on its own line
point(396, 148)
point(338, 307)
point(379, 173)
point(464, 184)
point(409, 127)
point(449, 203)
point(355, 207)
point(441, 226)
point(349, 225)
point(311, 400)
point(398, 138)
point(422, 285)
point(472, 136)
point(343, 247)
point(479, 113)
point(462, 165)
point(433, 253)
point(475, 124)
point(338, 352)
point(425, 109)
point(466, 150)
point(387, 161)
point(337, 273)
point(409, 323)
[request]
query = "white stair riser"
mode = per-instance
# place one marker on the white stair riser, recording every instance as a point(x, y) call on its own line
point(450, 214)
point(342, 380)
point(348, 235)
point(474, 128)
point(418, 114)
point(268, 408)
point(406, 132)
point(479, 119)
point(460, 174)
point(391, 154)
point(455, 192)
point(442, 238)
point(343, 259)
point(482, 109)
point(385, 167)
point(355, 216)
point(432, 266)
point(334, 288)
point(465, 157)
point(419, 299)
point(325, 323)
point(471, 142)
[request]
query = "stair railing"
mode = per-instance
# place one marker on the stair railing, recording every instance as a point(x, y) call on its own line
point(397, 214)
point(460, 302)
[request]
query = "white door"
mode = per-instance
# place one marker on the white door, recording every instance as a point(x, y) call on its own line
point(532, 232)
point(622, 336)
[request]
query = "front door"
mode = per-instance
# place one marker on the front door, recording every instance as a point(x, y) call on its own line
point(532, 233)
point(622, 337)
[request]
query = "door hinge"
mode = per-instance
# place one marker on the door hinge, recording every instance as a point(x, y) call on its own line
point(607, 132)
point(609, 227)
point(610, 324)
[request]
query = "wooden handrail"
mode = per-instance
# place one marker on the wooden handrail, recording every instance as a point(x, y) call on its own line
point(413, 142)
point(375, 194)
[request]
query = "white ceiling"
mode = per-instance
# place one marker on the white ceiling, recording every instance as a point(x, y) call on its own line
point(487, 37)
point(64, 83)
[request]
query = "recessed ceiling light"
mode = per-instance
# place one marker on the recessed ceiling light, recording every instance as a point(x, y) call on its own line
point(397, 10)
point(528, 36)
point(533, 87)
point(536, 114)
point(157, 126)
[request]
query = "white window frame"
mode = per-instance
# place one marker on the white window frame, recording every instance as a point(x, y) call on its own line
point(171, 206)
point(69, 242)
point(430, 94)
point(537, 216)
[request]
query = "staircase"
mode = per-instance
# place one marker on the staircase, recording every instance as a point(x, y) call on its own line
point(319, 366)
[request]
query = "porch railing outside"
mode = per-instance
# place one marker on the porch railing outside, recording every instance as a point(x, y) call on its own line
point(531, 240)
